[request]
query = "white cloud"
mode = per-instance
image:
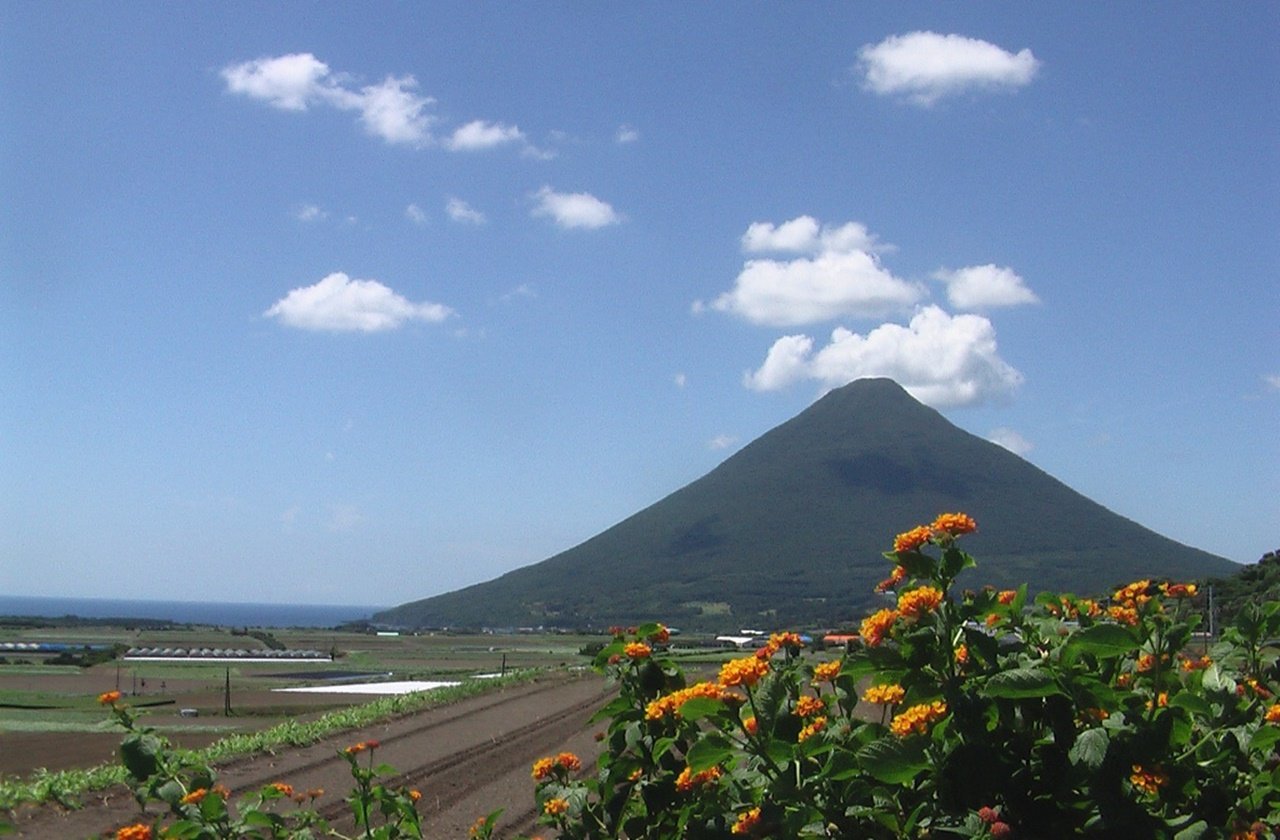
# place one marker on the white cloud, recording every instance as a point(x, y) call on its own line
point(478, 134)
point(390, 110)
point(942, 360)
point(574, 210)
point(310, 213)
point(1272, 380)
point(522, 292)
point(461, 211)
point(289, 82)
point(837, 275)
point(339, 304)
point(680, 379)
point(985, 287)
point(415, 214)
point(803, 235)
point(722, 442)
point(1011, 441)
point(926, 66)
point(626, 134)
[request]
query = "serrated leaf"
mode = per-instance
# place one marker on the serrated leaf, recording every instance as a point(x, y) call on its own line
point(1021, 683)
point(894, 761)
point(696, 708)
point(1090, 748)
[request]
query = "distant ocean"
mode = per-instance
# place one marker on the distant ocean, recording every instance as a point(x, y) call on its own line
point(189, 612)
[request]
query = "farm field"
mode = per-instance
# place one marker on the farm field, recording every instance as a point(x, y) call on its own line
point(49, 716)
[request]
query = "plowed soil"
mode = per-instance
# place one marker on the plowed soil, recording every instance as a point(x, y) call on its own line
point(468, 759)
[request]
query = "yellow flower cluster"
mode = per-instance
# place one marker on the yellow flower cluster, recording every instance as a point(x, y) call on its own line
point(876, 626)
point(555, 806)
point(1135, 594)
point(1123, 615)
point(890, 694)
point(1273, 714)
point(688, 780)
point(671, 703)
point(746, 671)
point(1178, 590)
point(916, 602)
point(137, 831)
point(918, 718)
point(544, 767)
point(954, 524)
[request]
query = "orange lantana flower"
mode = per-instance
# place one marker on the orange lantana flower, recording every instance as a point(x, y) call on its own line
point(913, 539)
point(915, 602)
point(827, 671)
point(918, 718)
point(137, 831)
point(747, 821)
point(108, 698)
point(889, 694)
point(876, 626)
point(746, 671)
point(954, 524)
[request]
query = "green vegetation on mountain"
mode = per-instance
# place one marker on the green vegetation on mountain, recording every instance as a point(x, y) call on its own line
point(790, 531)
point(1258, 583)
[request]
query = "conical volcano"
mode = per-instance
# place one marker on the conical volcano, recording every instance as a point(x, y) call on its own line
point(790, 531)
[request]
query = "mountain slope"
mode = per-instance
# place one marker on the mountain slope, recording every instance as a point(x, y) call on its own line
point(790, 530)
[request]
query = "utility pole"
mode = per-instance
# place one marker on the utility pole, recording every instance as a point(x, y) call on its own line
point(226, 695)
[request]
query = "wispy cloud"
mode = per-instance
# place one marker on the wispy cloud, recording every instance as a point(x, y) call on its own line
point(1011, 441)
point(943, 360)
point(415, 214)
point(310, 213)
point(926, 66)
point(574, 210)
point(339, 304)
point(722, 442)
point(626, 134)
point(461, 211)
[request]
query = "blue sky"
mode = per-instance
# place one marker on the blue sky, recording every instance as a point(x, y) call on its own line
point(386, 299)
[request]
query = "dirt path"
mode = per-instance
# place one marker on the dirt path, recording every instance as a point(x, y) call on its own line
point(468, 759)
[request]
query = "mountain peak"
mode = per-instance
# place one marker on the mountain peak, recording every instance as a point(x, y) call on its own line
point(790, 530)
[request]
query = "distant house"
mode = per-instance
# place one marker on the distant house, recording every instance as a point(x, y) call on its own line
point(844, 640)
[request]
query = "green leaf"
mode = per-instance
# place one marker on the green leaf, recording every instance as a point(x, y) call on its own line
point(1264, 739)
point(696, 708)
point(1090, 748)
point(894, 761)
point(1105, 641)
point(955, 561)
point(1193, 703)
point(1021, 683)
point(138, 752)
point(1195, 831)
point(711, 751)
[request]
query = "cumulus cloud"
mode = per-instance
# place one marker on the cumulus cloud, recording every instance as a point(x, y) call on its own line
point(836, 274)
point(626, 134)
point(574, 210)
point(926, 66)
point(985, 287)
point(1272, 380)
point(289, 82)
point(1011, 441)
point(941, 359)
point(680, 379)
point(339, 304)
point(310, 213)
point(478, 135)
point(461, 211)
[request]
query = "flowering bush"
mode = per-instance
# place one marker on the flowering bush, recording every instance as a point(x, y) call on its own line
point(969, 714)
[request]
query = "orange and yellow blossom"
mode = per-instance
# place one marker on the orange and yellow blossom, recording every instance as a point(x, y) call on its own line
point(918, 718)
point(916, 602)
point(1123, 615)
point(1273, 713)
point(688, 780)
point(637, 650)
point(827, 671)
point(962, 654)
point(1149, 781)
point(671, 703)
point(897, 576)
point(569, 761)
point(1199, 664)
point(876, 626)
point(108, 698)
point(415, 794)
point(282, 788)
point(808, 706)
point(747, 671)
point(1178, 590)
point(889, 694)
point(555, 806)
point(813, 728)
point(1135, 594)
point(137, 831)
point(194, 797)
point(913, 539)
point(542, 768)
point(954, 524)
point(751, 725)
point(747, 821)
point(1006, 596)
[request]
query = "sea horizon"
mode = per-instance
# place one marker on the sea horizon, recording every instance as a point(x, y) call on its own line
point(222, 613)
